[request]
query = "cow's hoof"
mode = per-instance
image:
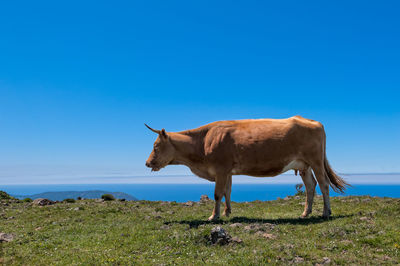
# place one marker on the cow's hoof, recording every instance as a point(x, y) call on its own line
point(327, 214)
point(304, 215)
point(213, 218)
point(226, 213)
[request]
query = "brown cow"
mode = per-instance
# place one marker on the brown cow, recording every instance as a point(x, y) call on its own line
point(254, 147)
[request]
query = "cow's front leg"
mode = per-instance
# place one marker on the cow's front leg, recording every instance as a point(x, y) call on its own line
point(220, 185)
point(228, 189)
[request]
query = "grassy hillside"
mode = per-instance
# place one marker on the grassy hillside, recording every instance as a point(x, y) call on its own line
point(363, 230)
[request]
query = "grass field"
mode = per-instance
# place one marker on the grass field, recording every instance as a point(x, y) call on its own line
point(362, 230)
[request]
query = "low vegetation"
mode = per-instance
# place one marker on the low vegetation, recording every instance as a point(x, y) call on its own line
point(4, 196)
point(107, 197)
point(69, 200)
point(362, 230)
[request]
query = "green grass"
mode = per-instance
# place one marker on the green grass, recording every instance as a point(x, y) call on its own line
point(362, 230)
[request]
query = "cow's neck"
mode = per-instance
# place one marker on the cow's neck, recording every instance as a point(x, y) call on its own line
point(189, 151)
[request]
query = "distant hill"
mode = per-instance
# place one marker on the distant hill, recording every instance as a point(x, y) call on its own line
point(90, 194)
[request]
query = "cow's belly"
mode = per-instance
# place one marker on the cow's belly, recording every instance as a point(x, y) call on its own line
point(204, 173)
point(268, 169)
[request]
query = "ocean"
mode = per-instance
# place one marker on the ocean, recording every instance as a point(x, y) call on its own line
point(186, 192)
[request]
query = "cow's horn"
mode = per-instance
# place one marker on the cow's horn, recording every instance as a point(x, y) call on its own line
point(155, 131)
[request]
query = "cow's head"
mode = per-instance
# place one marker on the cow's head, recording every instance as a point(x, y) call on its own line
point(163, 151)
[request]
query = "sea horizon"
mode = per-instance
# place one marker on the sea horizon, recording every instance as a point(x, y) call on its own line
point(193, 192)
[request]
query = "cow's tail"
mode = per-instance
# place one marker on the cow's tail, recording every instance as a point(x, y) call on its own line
point(337, 183)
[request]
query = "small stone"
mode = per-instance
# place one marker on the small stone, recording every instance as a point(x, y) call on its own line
point(269, 236)
point(189, 203)
point(251, 227)
point(99, 200)
point(164, 227)
point(38, 228)
point(298, 259)
point(297, 197)
point(236, 225)
point(286, 198)
point(259, 227)
point(266, 235)
point(364, 218)
point(236, 240)
point(204, 199)
point(325, 260)
point(6, 237)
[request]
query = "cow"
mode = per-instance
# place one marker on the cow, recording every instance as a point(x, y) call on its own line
point(253, 147)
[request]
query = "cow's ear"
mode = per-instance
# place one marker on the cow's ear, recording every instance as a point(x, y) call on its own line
point(163, 133)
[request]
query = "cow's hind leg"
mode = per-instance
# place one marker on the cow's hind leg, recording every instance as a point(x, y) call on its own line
point(323, 182)
point(228, 189)
point(310, 184)
point(220, 185)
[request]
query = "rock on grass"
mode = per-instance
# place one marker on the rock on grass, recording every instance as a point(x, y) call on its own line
point(204, 199)
point(220, 237)
point(4, 237)
point(189, 203)
point(43, 202)
point(266, 235)
point(259, 227)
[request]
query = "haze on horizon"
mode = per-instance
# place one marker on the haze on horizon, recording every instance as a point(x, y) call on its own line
point(79, 79)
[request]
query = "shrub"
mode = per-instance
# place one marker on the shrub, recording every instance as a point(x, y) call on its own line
point(122, 199)
point(27, 200)
point(299, 189)
point(69, 200)
point(107, 197)
point(4, 195)
point(79, 198)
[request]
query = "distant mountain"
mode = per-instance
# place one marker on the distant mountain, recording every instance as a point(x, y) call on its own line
point(90, 194)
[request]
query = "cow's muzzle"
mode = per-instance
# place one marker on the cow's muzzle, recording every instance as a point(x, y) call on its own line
point(153, 167)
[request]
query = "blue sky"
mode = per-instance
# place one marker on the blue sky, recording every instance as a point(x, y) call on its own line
point(78, 79)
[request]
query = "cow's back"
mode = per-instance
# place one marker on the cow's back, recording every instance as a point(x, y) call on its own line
point(262, 147)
